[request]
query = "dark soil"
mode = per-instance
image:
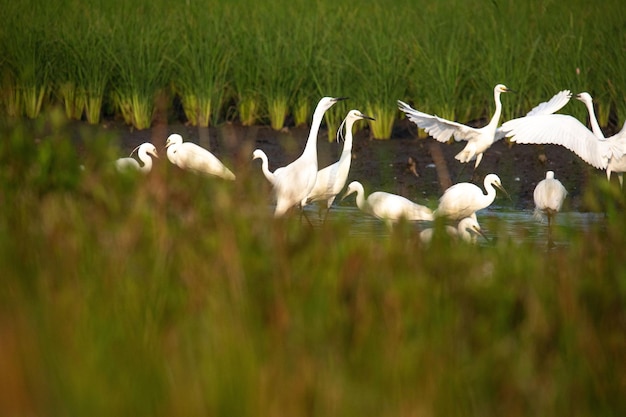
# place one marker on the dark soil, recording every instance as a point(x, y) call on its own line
point(417, 168)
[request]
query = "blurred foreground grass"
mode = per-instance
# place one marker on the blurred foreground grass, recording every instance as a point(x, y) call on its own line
point(177, 295)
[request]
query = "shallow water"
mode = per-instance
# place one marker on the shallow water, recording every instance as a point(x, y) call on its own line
point(517, 226)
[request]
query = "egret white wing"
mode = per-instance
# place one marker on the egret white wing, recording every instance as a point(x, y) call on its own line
point(556, 103)
point(437, 127)
point(564, 130)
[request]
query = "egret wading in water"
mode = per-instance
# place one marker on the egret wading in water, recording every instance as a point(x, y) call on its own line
point(390, 208)
point(144, 153)
point(478, 139)
point(467, 229)
point(465, 199)
point(549, 195)
point(331, 180)
point(189, 156)
point(293, 183)
point(569, 132)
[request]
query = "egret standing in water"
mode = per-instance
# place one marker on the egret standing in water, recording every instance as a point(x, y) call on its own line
point(293, 183)
point(390, 208)
point(478, 139)
point(189, 156)
point(331, 180)
point(143, 152)
point(549, 195)
point(465, 199)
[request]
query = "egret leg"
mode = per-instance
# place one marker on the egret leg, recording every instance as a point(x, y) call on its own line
point(621, 180)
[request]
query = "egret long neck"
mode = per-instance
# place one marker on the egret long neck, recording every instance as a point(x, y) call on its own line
point(265, 168)
point(146, 159)
point(495, 119)
point(595, 127)
point(347, 144)
point(360, 198)
point(311, 143)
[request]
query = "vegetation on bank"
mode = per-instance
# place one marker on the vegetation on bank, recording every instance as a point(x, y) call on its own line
point(210, 61)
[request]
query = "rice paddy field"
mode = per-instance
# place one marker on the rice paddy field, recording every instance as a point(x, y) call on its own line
point(173, 294)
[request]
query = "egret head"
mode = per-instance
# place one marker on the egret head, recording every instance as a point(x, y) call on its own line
point(471, 226)
point(501, 88)
point(258, 154)
point(151, 149)
point(352, 188)
point(584, 97)
point(173, 139)
point(327, 102)
point(494, 180)
point(550, 175)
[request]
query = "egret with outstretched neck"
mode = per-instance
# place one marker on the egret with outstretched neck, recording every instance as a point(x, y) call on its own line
point(189, 156)
point(331, 180)
point(391, 208)
point(293, 183)
point(465, 199)
point(143, 153)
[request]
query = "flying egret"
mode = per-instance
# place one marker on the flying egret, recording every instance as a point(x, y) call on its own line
point(259, 154)
point(616, 164)
point(143, 152)
point(465, 199)
point(293, 183)
point(549, 195)
point(467, 229)
point(331, 180)
point(567, 131)
point(390, 208)
point(478, 140)
point(188, 155)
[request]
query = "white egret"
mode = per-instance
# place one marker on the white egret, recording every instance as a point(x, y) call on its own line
point(390, 208)
point(567, 131)
point(465, 199)
point(467, 229)
point(259, 154)
point(478, 139)
point(331, 180)
point(293, 183)
point(549, 195)
point(189, 156)
point(143, 152)
point(616, 164)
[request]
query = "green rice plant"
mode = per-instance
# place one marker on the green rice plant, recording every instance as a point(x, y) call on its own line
point(277, 43)
point(245, 71)
point(380, 67)
point(26, 61)
point(201, 66)
point(140, 54)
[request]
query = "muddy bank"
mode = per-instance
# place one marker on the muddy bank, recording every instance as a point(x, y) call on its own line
point(417, 168)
